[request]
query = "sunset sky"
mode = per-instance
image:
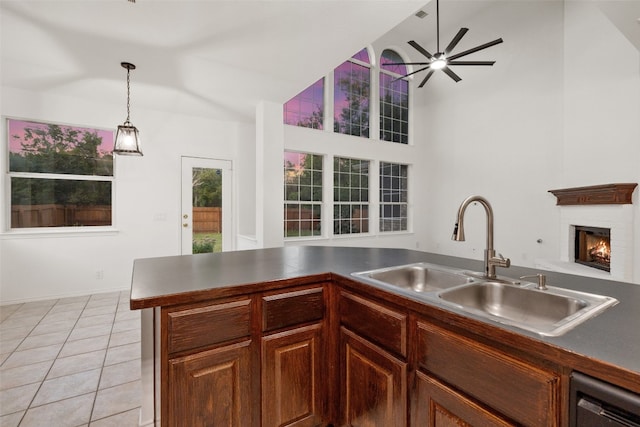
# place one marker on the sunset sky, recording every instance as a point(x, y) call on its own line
point(17, 128)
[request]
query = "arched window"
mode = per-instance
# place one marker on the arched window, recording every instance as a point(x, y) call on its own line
point(352, 83)
point(306, 109)
point(394, 99)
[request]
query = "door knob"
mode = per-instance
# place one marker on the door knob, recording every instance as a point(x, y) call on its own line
point(185, 225)
point(185, 216)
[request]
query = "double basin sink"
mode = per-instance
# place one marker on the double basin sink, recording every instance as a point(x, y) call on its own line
point(549, 312)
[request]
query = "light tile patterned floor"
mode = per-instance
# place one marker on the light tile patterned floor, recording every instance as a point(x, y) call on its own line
point(70, 362)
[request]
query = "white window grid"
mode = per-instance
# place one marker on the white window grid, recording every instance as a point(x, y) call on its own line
point(393, 197)
point(350, 196)
point(303, 195)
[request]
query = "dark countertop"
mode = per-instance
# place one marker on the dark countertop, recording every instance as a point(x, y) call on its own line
point(612, 337)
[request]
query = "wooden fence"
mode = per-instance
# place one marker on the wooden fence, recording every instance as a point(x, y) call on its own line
point(52, 215)
point(207, 220)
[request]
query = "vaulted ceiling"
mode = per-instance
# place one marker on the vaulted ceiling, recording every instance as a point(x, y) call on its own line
point(209, 58)
point(215, 58)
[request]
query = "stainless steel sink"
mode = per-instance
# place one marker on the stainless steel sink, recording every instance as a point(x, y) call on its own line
point(549, 312)
point(420, 277)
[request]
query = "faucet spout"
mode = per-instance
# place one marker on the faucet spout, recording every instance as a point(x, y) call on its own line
point(490, 259)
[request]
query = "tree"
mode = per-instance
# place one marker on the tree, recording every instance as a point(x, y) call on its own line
point(354, 117)
point(315, 120)
point(303, 182)
point(55, 149)
point(207, 187)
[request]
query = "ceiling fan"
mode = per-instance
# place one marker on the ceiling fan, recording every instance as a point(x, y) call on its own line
point(441, 60)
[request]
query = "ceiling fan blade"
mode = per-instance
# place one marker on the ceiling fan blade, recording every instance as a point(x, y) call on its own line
point(475, 49)
point(405, 63)
point(451, 74)
point(471, 62)
point(429, 74)
point(455, 40)
point(420, 49)
point(413, 72)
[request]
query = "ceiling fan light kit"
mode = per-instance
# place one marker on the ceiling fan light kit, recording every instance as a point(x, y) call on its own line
point(442, 60)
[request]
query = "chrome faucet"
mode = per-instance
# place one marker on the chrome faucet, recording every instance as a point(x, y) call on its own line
point(490, 259)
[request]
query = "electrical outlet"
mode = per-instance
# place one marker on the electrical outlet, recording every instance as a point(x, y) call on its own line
point(99, 274)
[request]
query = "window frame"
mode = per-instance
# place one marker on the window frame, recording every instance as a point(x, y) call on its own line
point(384, 72)
point(400, 203)
point(8, 176)
point(319, 203)
point(351, 204)
point(300, 98)
point(370, 68)
point(385, 152)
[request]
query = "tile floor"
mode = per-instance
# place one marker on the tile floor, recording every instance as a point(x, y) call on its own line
point(70, 362)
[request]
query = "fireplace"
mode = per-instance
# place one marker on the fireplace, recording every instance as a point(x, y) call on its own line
point(593, 247)
point(610, 207)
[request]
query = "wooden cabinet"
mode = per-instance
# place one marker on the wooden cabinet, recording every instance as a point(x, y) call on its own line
point(221, 357)
point(375, 322)
point(516, 390)
point(292, 377)
point(373, 368)
point(199, 326)
point(373, 384)
point(441, 406)
point(325, 354)
point(294, 367)
point(211, 388)
point(292, 307)
point(208, 374)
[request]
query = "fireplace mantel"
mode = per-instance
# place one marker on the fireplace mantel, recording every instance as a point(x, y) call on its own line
point(607, 194)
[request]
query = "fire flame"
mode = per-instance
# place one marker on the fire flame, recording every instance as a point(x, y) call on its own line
point(601, 251)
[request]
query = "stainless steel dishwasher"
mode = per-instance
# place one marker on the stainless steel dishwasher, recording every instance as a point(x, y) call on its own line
point(595, 403)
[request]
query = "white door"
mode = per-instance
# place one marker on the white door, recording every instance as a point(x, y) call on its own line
point(206, 205)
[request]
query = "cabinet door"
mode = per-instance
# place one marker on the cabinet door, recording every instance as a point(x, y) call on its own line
point(211, 388)
point(373, 384)
point(523, 392)
point(292, 377)
point(436, 405)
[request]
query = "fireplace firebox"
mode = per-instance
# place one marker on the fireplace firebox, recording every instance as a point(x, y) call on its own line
point(593, 247)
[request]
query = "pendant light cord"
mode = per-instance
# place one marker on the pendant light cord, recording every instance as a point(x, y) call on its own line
point(128, 93)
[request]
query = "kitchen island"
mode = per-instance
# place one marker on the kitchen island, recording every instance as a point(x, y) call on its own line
point(291, 328)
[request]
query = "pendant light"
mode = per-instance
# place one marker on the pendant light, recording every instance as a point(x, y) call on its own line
point(127, 136)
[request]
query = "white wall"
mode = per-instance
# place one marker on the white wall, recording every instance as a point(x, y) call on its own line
point(509, 132)
point(245, 178)
point(147, 205)
point(601, 110)
point(529, 124)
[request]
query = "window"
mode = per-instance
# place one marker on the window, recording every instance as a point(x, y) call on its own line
point(307, 108)
point(351, 96)
point(60, 176)
point(302, 194)
point(394, 99)
point(393, 197)
point(350, 196)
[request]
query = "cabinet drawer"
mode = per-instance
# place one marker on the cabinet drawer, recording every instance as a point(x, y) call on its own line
point(292, 308)
point(523, 392)
point(208, 325)
point(378, 324)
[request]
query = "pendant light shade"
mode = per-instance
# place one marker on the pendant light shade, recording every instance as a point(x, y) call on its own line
point(127, 136)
